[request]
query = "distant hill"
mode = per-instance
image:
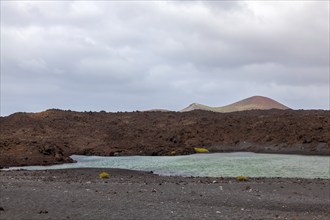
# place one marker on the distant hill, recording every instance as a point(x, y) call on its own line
point(196, 106)
point(254, 102)
point(157, 110)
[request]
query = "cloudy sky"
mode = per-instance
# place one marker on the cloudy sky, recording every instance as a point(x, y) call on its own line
point(125, 56)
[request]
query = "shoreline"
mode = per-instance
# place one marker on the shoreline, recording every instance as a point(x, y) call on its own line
point(143, 172)
point(81, 194)
point(70, 160)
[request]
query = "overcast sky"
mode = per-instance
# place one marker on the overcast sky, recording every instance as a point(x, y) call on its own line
point(125, 56)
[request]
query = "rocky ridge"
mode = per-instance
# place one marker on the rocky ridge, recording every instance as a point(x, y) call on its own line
point(51, 136)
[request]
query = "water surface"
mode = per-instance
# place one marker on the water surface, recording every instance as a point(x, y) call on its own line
point(212, 165)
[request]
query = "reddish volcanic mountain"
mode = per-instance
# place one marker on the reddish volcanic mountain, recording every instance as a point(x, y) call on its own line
point(252, 103)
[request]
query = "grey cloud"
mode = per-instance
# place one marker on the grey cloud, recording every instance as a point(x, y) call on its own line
point(140, 55)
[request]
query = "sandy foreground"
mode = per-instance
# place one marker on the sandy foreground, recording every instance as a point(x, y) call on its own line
point(81, 194)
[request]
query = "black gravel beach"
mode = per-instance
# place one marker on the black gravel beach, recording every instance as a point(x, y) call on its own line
point(82, 194)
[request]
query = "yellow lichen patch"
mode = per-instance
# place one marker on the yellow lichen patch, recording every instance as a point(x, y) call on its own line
point(104, 175)
point(241, 178)
point(201, 150)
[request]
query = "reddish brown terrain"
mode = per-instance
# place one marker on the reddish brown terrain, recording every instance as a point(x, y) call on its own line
point(251, 103)
point(52, 136)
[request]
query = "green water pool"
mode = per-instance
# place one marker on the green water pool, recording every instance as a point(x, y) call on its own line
point(212, 165)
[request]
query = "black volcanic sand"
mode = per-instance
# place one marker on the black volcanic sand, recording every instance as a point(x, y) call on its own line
point(81, 194)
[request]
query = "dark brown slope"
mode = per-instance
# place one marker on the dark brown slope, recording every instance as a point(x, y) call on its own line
point(51, 136)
